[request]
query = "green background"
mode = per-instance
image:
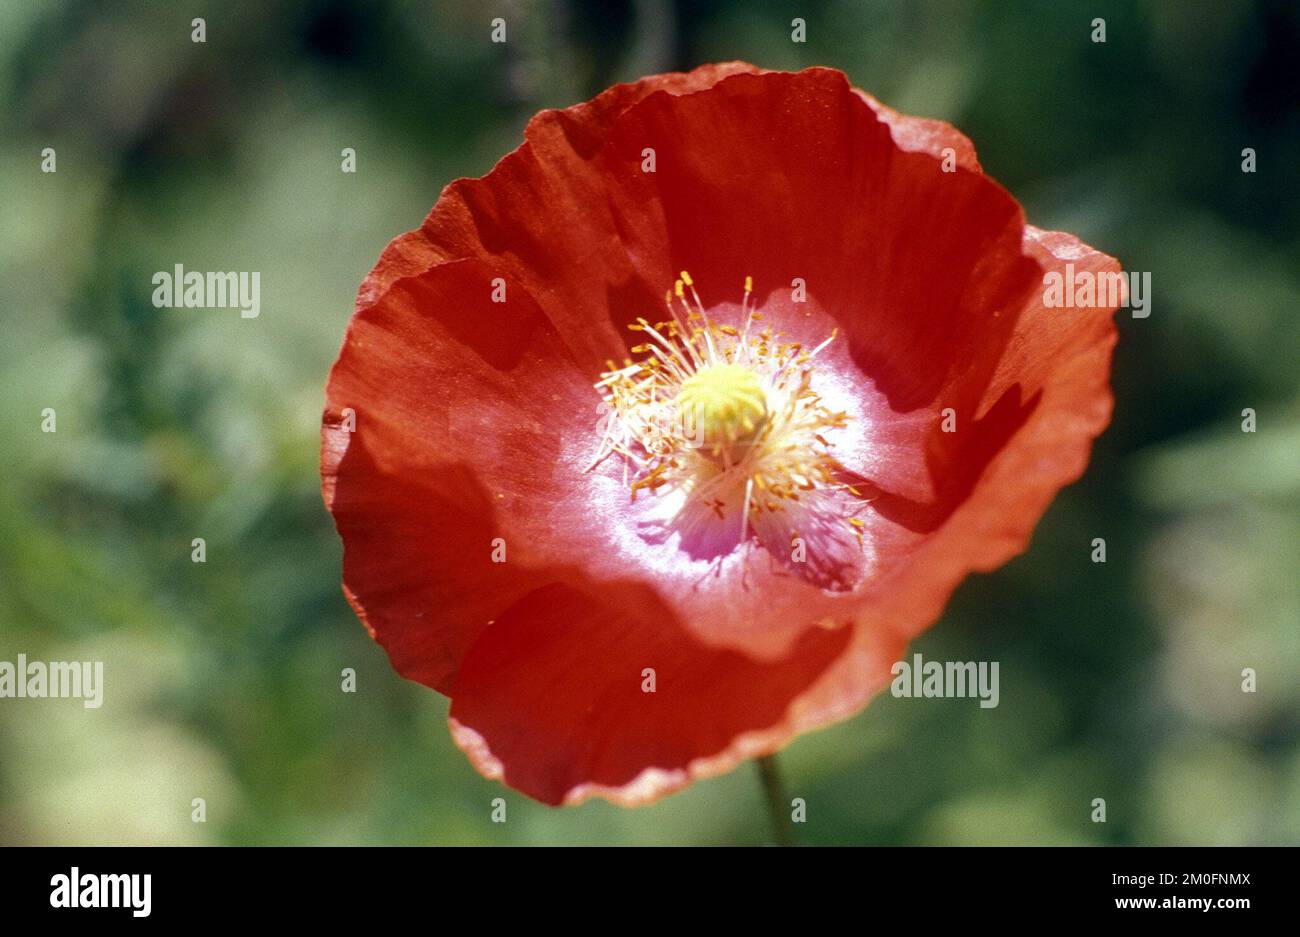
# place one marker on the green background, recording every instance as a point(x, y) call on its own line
point(1119, 681)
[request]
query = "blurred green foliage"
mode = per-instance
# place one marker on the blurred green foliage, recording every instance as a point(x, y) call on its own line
point(1120, 680)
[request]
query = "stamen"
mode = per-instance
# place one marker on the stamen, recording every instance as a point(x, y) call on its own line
point(716, 414)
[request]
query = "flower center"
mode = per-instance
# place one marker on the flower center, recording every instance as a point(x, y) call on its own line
point(725, 402)
point(726, 419)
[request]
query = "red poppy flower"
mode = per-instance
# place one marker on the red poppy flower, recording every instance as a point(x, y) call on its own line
point(637, 537)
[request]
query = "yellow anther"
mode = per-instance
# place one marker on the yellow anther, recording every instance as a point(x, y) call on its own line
point(686, 278)
point(678, 288)
point(749, 284)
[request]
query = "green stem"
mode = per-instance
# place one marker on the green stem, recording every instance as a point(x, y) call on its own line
point(778, 805)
